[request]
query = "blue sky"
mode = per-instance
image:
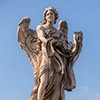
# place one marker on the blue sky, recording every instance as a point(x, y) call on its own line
point(16, 75)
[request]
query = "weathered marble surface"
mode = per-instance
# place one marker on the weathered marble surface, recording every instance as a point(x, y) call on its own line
point(51, 54)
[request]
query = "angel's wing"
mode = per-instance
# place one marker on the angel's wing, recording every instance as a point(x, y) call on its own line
point(62, 25)
point(29, 42)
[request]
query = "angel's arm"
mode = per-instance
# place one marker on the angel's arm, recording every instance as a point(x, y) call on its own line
point(41, 34)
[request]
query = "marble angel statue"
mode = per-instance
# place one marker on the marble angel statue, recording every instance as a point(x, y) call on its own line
point(51, 54)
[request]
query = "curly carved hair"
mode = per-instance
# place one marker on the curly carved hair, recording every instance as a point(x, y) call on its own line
point(51, 9)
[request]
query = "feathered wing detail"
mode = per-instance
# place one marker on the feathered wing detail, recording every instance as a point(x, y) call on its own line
point(62, 25)
point(29, 42)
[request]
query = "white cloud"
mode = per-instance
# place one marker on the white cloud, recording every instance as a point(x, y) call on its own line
point(98, 96)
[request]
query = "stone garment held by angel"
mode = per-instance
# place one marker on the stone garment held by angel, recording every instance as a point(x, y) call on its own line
point(53, 60)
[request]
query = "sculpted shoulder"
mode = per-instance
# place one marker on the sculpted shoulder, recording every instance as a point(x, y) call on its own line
point(39, 27)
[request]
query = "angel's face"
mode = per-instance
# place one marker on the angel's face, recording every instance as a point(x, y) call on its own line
point(50, 16)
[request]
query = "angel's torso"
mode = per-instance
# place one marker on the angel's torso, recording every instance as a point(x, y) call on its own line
point(52, 32)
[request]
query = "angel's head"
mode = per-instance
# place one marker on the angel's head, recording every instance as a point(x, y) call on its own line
point(50, 11)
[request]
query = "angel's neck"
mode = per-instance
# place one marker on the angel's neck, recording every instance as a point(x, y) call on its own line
point(49, 25)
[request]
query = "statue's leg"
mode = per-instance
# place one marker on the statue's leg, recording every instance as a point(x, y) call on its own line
point(42, 85)
point(57, 88)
